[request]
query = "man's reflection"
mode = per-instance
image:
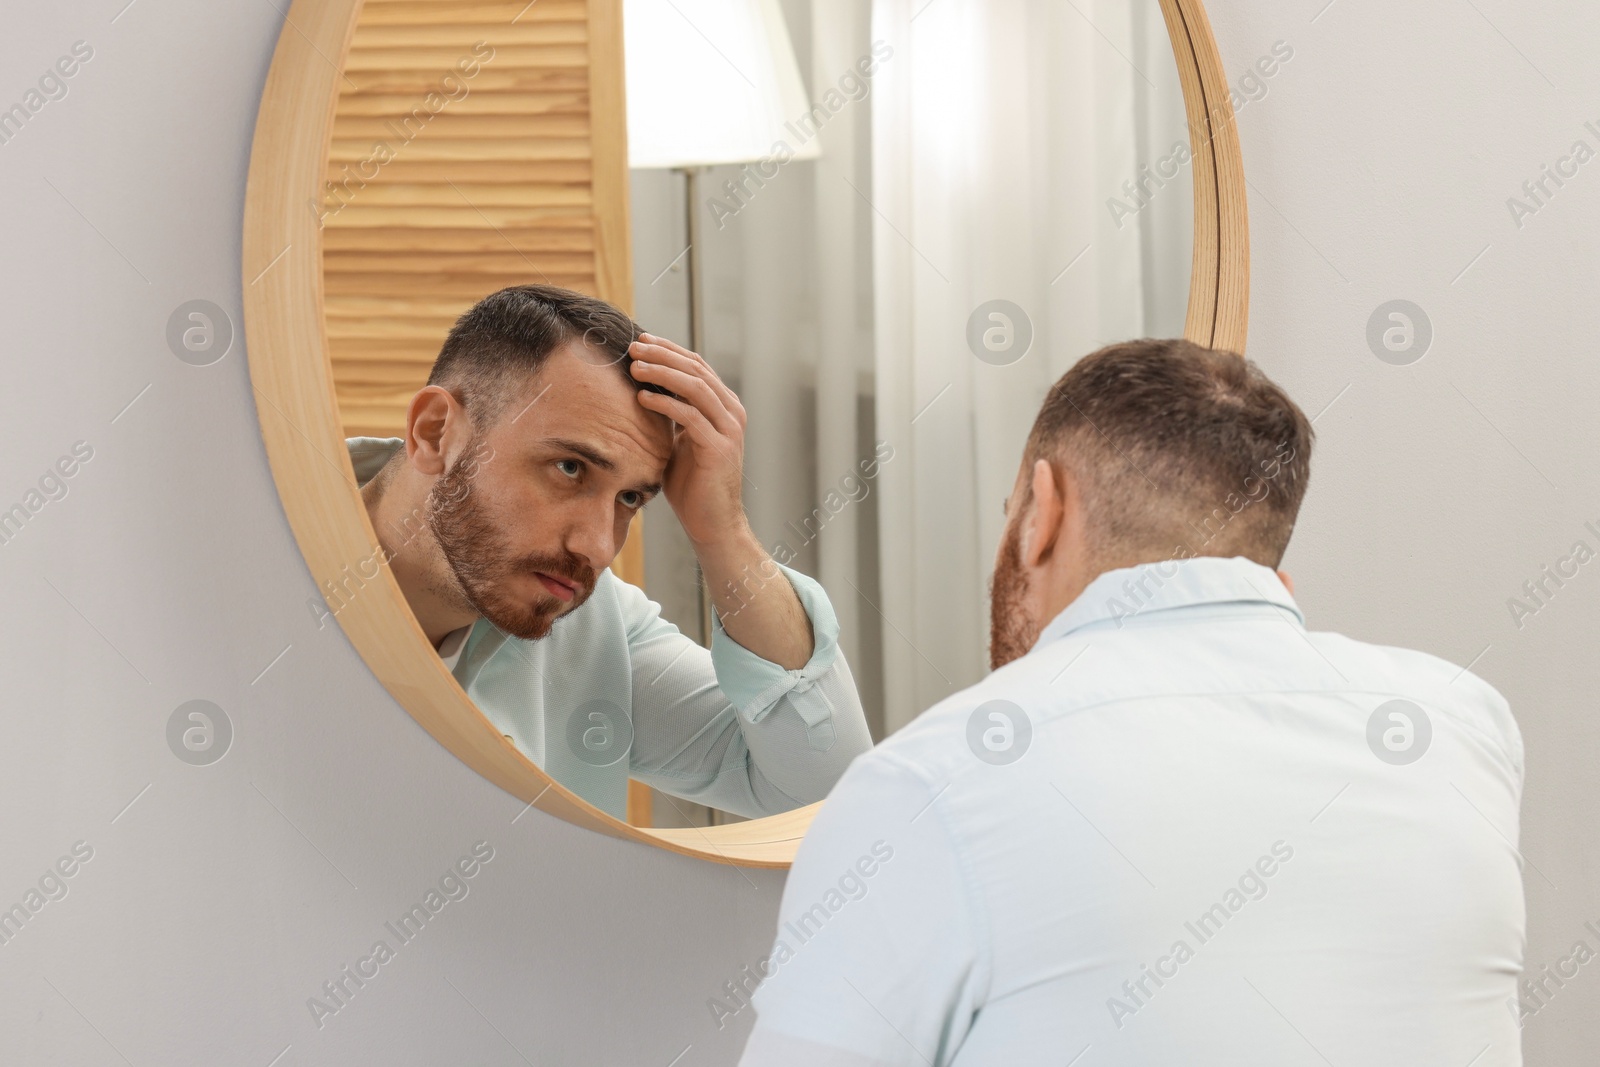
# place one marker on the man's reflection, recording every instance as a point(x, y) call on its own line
point(547, 422)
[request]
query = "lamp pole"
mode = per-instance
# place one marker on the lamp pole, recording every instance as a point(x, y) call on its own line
point(697, 318)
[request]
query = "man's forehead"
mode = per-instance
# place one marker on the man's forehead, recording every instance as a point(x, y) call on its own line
point(583, 395)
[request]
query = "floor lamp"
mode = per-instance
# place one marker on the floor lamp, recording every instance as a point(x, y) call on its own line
point(711, 83)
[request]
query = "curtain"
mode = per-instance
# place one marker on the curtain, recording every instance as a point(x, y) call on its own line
point(1022, 151)
point(787, 267)
point(989, 155)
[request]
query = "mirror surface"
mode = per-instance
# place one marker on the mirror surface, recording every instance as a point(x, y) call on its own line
point(1025, 156)
point(900, 231)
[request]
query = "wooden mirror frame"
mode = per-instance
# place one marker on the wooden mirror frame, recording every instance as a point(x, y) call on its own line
point(292, 375)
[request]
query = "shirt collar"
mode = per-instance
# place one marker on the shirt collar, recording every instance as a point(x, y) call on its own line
point(369, 454)
point(453, 641)
point(1140, 591)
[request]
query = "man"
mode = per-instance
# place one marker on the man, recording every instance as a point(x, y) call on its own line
point(547, 422)
point(1173, 826)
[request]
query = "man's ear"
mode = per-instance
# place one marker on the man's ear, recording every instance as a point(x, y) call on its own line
point(431, 420)
point(1041, 528)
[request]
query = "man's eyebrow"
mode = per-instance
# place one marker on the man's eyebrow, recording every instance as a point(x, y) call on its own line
point(582, 450)
point(649, 488)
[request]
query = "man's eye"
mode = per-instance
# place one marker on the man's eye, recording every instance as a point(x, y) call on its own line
point(570, 467)
point(631, 499)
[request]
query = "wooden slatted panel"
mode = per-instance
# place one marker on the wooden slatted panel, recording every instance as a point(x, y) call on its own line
point(434, 201)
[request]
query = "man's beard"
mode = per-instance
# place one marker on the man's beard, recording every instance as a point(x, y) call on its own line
point(1012, 629)
point(471, 544)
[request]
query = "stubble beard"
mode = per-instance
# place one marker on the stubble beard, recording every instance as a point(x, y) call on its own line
point(1012, 628)
point(469, 539)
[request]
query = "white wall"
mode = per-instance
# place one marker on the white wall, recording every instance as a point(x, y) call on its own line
point(223, 897)
point(1380, 161)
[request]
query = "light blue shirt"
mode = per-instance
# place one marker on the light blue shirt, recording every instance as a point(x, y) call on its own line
point(1180, 830)
point(615, 691)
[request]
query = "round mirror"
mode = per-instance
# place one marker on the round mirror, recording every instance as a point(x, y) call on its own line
point(888, 229)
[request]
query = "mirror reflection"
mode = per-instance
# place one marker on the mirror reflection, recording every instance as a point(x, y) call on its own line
point(861, 251)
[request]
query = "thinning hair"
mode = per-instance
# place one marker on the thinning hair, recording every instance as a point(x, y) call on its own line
point(498, 345)
point(501, 342)
point(1179, 450)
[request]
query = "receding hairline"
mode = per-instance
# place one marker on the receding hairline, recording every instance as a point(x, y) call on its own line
point(506, 338)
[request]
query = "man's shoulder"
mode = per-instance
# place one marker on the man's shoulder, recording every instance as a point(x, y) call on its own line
point(1430, 681)
point(1410, 666)
point(1107, 673)
point(625, 603)
point(977, 724)
point(369, 454)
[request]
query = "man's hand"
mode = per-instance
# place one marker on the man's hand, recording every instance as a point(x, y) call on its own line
point(703, 483)
point(703, 476)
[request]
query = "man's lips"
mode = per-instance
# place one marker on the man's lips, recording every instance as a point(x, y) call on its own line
point(560, 588)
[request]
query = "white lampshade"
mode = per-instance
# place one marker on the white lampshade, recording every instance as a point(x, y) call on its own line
point(712, 81)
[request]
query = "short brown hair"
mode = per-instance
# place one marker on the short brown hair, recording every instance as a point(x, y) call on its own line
point(507, 336)
point(1180, 450)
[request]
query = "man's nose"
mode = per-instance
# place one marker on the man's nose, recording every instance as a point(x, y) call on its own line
point(591, 539)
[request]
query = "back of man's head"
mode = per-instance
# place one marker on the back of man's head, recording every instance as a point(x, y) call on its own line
point(1178, 450)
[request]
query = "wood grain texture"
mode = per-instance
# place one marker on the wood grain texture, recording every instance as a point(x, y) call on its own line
point(353, 273)
point(1219, 282)
point(462, 151)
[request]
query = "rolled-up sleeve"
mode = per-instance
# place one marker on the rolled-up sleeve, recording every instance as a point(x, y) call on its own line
point(732, 730)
